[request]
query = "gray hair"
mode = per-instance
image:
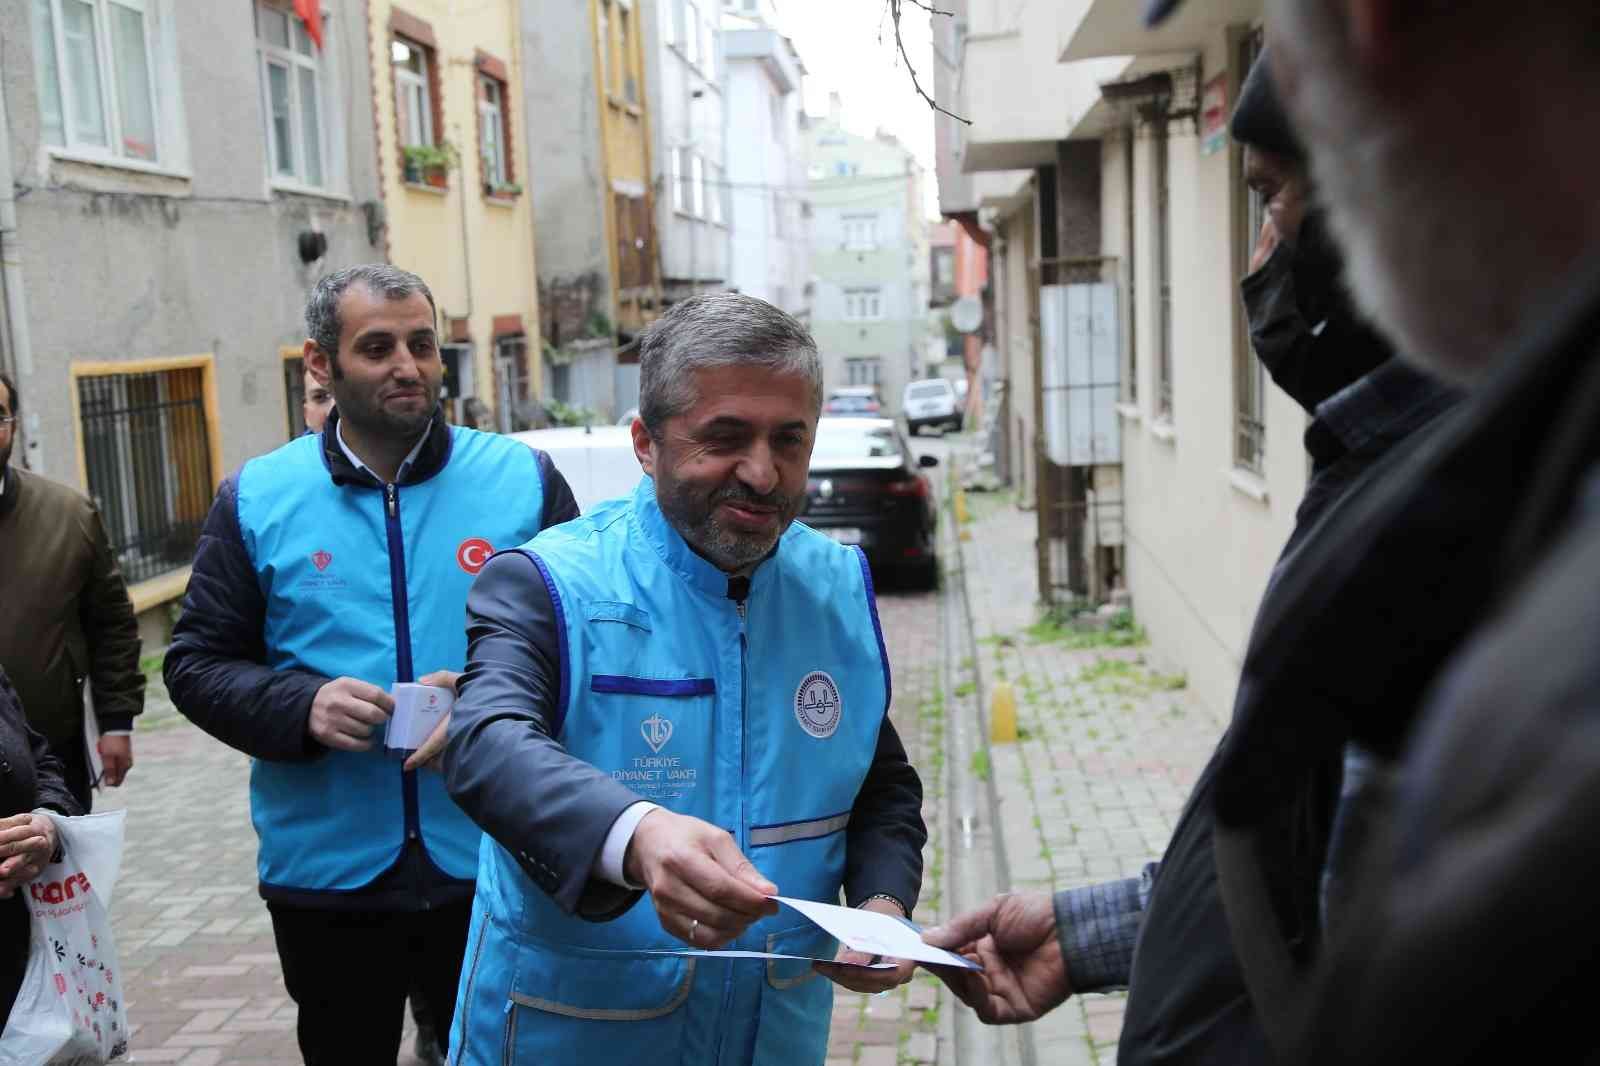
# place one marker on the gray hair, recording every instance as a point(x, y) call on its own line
point(381, 279)
point(713, 330)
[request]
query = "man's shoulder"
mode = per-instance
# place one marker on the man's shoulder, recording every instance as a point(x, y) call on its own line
point(472, 446)
point(49, 498)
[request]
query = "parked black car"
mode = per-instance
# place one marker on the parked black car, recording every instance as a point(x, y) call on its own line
point(865, 488)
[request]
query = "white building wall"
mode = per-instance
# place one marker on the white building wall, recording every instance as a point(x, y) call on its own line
point(766, 174)
point(1202, 535)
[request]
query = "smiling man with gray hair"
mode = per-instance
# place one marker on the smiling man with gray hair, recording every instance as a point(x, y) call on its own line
point(684, 693)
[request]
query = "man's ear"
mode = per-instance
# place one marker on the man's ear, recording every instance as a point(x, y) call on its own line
point(318, 363)
point(643, 447)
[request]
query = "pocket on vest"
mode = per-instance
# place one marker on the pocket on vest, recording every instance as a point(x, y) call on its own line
point(627, 685)
point(565, 1005)
point(797, 1002)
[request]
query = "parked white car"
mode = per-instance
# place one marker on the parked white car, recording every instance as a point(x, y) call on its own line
point(931, 402)
point(597, 461)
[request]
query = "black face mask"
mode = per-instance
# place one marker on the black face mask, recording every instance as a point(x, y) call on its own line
point(1301, 325)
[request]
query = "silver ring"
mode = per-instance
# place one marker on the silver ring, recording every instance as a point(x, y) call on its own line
point(693, 925)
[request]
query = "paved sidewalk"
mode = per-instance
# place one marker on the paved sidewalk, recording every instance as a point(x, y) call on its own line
point(1109, 747)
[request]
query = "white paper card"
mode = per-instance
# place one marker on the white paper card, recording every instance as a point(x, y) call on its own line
point(418, 709)
point(760, 955)
point(873, 933)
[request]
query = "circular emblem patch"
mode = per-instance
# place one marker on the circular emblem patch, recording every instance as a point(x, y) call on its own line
point(473, 553)
point(817, 705)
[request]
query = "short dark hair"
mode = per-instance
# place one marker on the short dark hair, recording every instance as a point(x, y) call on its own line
point(322, 308)
point(12, 399)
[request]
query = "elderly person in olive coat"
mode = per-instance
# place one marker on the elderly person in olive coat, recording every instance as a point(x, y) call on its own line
point(30, 782)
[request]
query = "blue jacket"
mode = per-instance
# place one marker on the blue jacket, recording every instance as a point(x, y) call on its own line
point(764, 716)
point(309, 569)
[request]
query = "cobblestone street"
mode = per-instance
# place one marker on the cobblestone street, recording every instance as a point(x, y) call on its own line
point(1109, 745)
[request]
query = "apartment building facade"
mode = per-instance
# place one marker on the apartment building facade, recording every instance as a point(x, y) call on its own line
point(188, 170)
point(869, 256)
point(590, 123)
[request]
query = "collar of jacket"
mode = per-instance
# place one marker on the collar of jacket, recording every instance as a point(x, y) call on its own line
point(1378, 408)
point(1397, 577)
point(13, 489)
point(430, 460)
point(675, 551)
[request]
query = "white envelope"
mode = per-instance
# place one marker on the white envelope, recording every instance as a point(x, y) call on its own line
point(418, 709)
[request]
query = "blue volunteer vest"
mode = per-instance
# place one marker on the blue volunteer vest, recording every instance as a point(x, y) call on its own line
point(356, 587)
point(764, 724)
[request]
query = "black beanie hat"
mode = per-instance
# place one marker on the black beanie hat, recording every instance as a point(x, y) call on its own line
point(1259, 120)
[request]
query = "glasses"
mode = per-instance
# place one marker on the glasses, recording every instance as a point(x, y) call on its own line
point(7, 421)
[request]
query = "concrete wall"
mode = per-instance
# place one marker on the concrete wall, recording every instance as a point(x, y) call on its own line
point(475, 250)
point(568, 184)
point(1014, 342)
point(195, 257)
point(769, 254)
point(693, 249)
point(1202, 535)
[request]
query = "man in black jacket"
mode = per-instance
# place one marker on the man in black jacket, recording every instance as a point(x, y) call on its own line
point(1166, 935)
point(1470, 934)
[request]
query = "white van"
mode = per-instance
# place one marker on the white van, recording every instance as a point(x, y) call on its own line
point(931, 402)
point(597, 461)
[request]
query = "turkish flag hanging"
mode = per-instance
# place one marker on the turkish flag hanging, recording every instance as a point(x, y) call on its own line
point(310, 12)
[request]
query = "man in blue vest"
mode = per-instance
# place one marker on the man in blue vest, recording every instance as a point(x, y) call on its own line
point(685, 693)
point(327, 571)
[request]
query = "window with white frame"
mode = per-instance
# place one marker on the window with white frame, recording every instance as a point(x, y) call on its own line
point(863, 305)
point(692, 31)
point(716, 189)
point(682, 181)
point(860, 232)
point(672, 22)
point(867, 371)
point(708, 48)
point(103, 83)
point(1249, 374)
point(295, 97)
point(697, 182)
point(413, 92)
point(491, 130)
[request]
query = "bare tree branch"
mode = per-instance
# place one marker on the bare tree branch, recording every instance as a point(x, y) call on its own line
point(895, 9)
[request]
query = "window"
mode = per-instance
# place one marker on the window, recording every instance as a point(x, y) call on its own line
point(1249, 375)
point(295, 98)
point(692, 31)
point(708, 49)
point(683, 181)
point(717, 188)
point(1131, 268)
point(863, 305)
point(860, 232)
point(413, 86)
point(149, 458)
point(630, 84)
point(779, 223)
point(101, 89)
point(697, 182)
point(1163, 275)
point(492, 139)
point(863, 371)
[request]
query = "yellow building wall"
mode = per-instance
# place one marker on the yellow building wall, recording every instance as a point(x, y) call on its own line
point(475, 251)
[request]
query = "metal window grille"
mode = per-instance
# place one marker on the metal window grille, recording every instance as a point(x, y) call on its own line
point(294, 393)
point(1249, 376)
point(147, 450)
point(1164, 273)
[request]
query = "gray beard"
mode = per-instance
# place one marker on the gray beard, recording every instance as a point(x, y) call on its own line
point(1446, 269)
point(727, 549)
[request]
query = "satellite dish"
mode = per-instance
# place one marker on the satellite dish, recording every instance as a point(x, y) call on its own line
point(966, 314)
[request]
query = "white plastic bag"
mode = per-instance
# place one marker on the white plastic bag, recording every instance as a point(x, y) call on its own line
point(69, 1011)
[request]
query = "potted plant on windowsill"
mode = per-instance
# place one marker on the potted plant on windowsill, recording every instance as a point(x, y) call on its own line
point(502, 190)
point(430, 164)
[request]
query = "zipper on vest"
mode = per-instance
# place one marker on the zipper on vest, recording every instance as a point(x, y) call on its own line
point(402, 641)
point(741, 837)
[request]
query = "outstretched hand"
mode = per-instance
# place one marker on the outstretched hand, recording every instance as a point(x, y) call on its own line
point(1013, 937)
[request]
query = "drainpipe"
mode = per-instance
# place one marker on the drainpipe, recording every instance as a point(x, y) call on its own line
point(19, 352)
